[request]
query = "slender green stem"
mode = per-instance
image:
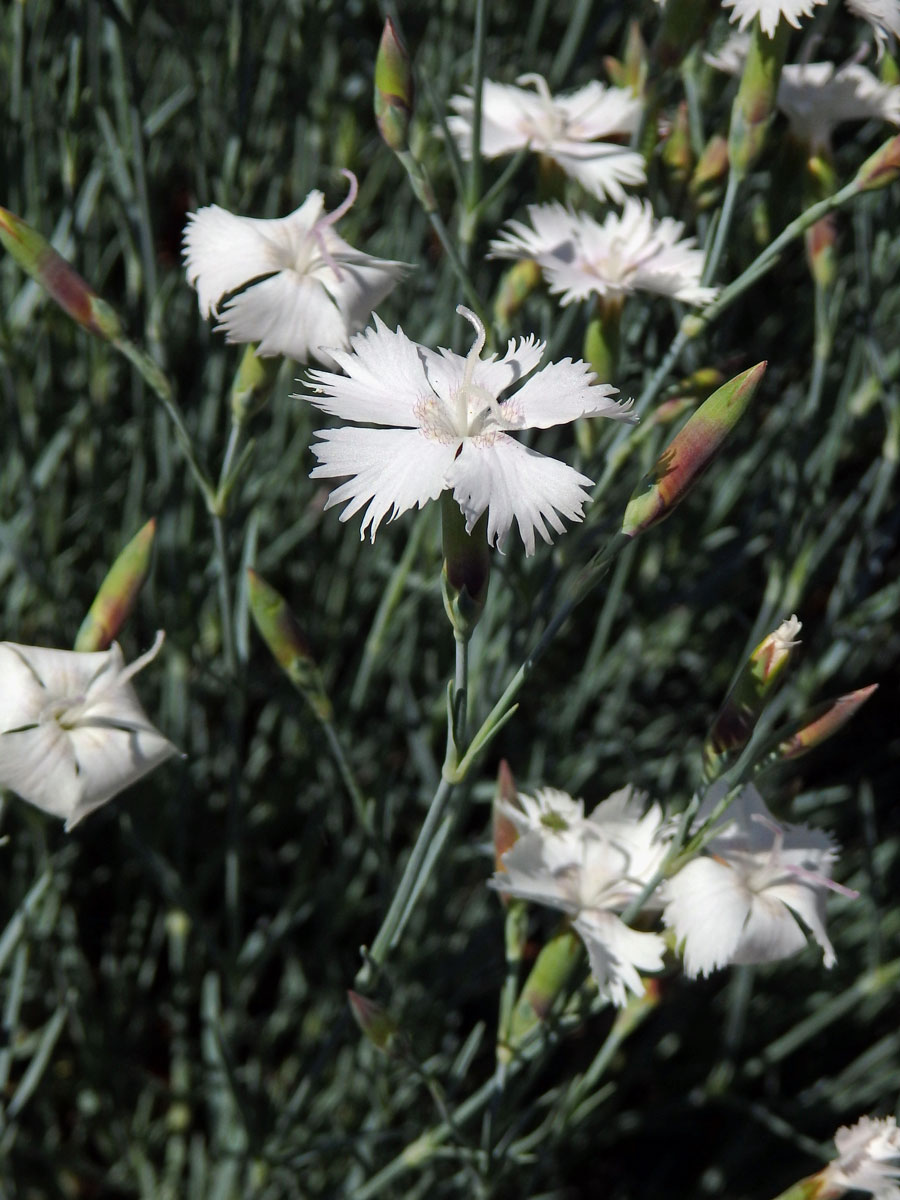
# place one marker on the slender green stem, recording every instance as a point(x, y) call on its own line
point(473, 190)
point(424, 193)
point(225, 606)
point(711, 266)
point(231, 449)
point(410, 884)
point(424, 853)
point(345, 771)
point(768, 257)
point(159, 384)
point(502, 710)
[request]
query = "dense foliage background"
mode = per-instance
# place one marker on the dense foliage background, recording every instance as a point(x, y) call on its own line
point(168, 1035)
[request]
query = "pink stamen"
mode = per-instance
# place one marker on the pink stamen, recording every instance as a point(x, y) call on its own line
point(331, 219)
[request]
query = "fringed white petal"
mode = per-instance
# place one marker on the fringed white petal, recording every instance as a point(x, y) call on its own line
point(384, 377)
point(392, 470)
point(515, 483)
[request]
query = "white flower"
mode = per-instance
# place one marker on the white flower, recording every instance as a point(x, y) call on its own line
point(882, 15)
point(72, 730)
point(566, 129)
point(449, 430)
point(869, 1160)
point(304, 289)
point(816, 97)
point(770, 12)
point(739, 901)
point(553, 814)
point(592, 871)
point(786, 635)
point(628, 253)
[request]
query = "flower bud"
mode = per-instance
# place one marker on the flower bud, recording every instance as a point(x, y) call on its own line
point(252, 384)
point(516, 286)
point(709, 173)
point(689, 453)
point(881, 168)
point(744, 704)
point(754, 104)
point(281, 633)
point(118, 592)
point(46, 266)
point(378, 1026)
point(466, 573)
point(547, 980)
point(393, 89)
point(821, 723)
point(631, 72)
point(677, 152)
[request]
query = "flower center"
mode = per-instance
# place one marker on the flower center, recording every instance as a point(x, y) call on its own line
point(551, 123)
point(472, 411)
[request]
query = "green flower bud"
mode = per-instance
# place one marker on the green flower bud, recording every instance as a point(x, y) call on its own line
point(689, 453)
point(118, 592)
point(281, 633)
point(393, 89)
point(46, 266)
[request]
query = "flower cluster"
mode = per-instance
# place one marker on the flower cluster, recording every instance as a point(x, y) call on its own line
point(739, 901)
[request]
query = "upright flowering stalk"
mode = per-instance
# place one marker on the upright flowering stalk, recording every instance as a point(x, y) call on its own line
point(568, 130)
point(446, 423)
point(739, 901)
point(291, 284)
point(591, 868)
point(72, 730)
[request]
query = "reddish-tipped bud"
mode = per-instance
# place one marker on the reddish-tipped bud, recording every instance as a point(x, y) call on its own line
point(118, 592)
point(393, 89)
point(36, 256)
point(754, 104)
point(689, 453)
point(378, 1026)
point(822, 722)
point(744, 704)
point(882, 168)
point(710, 171)
point(677, 152)
point(281, 633)
point(546, 982)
